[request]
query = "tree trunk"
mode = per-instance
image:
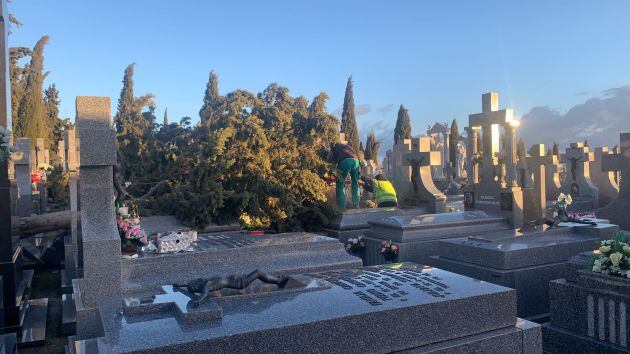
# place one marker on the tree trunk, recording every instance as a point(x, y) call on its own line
point(32, 225)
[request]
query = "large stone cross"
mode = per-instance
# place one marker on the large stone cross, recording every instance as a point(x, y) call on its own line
point(490, 119)
point(421, 158)
point(617, 210)
point(578, 183)
point(537, 162)
point(604, 180)
point(619, 162)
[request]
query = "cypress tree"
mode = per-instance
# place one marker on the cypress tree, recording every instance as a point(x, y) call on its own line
point(348, 119)
point(51, 104)
point(17, 74)
point(555, 149)
point(371, 148)
point(403, 125)
point(454, 138)
point(211, 99)
point(124, 116)
point(32, 121)
point(165, 117)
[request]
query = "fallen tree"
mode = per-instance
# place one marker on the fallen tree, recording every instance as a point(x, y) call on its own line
point(32, 225)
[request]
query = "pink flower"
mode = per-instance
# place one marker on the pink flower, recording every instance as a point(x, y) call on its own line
point(394, 247)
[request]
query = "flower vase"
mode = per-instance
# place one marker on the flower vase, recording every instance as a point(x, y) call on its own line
point(123, 210)
point(500, 171)
point(129, 249)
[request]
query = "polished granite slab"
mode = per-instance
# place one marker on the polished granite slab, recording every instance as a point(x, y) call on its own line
point(330, 311)
point(289, 252)
point(436, 226)
point(353, 222)
point(514, 249)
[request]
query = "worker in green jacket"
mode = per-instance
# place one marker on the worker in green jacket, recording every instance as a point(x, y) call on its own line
point(383, 190)
point(347, 163)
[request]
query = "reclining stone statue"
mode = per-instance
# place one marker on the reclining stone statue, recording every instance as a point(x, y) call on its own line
point(207, 286)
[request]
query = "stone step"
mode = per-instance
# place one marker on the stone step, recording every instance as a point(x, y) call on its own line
point(69, 314)
point(87, 346)
point(7, 343)
point(33, 331)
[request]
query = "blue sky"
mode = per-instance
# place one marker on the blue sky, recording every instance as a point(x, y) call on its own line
point(435, 57)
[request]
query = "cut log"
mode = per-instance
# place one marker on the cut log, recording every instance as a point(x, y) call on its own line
point(32, 225)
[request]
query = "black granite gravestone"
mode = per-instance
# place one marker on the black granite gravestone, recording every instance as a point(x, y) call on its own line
point(16, 282)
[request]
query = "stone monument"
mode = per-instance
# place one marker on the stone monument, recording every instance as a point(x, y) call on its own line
point(423, 190)
point(22, 163)
point(100, 241)
point(617, 210)
point(578, 183)
point(520, 259)
point(605, 182)
point(589, 311)
point(497, 191)
point(537, 164)
point(338, 310)
point(24, 317)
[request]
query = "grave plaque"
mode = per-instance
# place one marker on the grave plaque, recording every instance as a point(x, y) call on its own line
point(522, 260)
point(338, 310)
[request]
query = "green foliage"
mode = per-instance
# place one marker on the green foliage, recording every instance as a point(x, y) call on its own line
point(58, 186)
point(454, 139)
point(259, 160)
point(32, 121)
point(348, 119)
point(403, 125)
point(134, 128)
point(371, 148)
point(211, 100)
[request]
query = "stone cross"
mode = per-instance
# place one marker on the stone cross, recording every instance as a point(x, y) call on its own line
point(617, 210)
point(604, 180)
point(552, 177)
point(536, 162)
point(489, 120)
point(100, 240)
point(579, 184)
point(421, 159)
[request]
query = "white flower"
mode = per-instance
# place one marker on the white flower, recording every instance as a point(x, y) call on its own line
point(626, 249)
point(597, 268)
point(604, 249)
point(615, 258)
point(569, 200)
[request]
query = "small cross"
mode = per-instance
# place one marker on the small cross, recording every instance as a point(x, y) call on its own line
point(422, 156)
point(577, 152)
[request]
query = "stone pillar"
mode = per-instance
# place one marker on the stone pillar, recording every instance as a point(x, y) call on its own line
point(71, 164)
point(22, 163)
point(471, 153)
point(510, 153)
point(100, 241)
point(446, 161)
point(536, 163)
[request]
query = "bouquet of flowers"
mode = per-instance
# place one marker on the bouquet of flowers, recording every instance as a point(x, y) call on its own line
point(5, 144)
point(131, 234)
point(389, 250)
point(614, 257)
point(562, 203)
point(355, 244)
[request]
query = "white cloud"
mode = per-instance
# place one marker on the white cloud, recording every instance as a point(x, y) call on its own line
point(598, 120)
